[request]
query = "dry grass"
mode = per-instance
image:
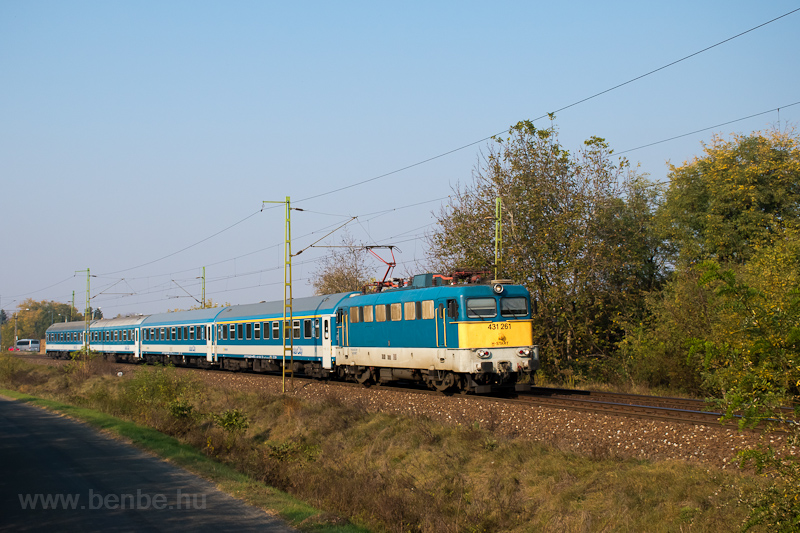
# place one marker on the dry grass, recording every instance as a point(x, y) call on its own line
point(400, 473)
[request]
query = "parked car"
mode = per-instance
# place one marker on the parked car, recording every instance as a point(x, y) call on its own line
point(27, 345)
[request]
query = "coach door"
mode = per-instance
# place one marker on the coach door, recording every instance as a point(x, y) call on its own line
point(326, 343)
point(209, 343)
point(137, 351)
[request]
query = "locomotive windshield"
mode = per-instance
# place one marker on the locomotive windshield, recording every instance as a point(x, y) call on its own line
point(513, 307)
point(481, 308)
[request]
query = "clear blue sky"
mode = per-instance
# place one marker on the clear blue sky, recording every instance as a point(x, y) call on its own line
point(132, 130)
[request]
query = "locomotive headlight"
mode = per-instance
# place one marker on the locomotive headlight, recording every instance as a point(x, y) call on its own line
point(484, 354)
point(498, 288)
point(524, 352)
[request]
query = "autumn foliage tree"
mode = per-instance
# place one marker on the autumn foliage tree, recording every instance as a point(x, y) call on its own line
point(576, 231)
point(731, 312)
point(343, 269)
point(33, 317)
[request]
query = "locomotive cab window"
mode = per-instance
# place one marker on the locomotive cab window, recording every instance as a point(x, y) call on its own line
point(481, 308)
point(513, 307)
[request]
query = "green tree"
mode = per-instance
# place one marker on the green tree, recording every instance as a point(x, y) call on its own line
point(577, 232)
point(738, 194)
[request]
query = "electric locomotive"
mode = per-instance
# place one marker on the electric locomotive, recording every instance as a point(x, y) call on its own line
point(466, 338)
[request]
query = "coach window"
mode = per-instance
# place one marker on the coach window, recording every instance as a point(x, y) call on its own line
point(257, 331)
point(180, 334)
point(174, 335)
point(316, 328)
point(369, 315)
point(233, 332)
point(306, 329)
point(248, 331)
point(380, 313)
point(481, 308)
point(191, 333)
point(186, 333)
point(276, 330)
point(201, 333)
point(397, 311)
point(295, 329)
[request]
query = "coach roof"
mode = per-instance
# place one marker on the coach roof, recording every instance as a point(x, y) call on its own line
point(300, 306)
point(195, 316)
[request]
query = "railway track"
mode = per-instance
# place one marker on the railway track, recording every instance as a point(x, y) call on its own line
point(667, 409)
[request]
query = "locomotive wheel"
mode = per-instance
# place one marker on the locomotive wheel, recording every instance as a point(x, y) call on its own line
point(365, 377)
point(446, 383)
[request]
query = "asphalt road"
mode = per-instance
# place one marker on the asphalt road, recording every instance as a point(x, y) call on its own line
point(60, 475)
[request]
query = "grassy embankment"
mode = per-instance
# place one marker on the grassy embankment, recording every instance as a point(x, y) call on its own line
point(384, 472)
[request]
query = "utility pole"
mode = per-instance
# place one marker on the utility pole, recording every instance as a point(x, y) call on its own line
point(288, 317)
point(204, 288)
point(87, 312)
point(498, 237)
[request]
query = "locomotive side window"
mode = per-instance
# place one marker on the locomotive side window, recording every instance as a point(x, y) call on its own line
point(452, 309)
point(380, 313)
point(428, 309)
point(397, 311)
point(481, 308)
point(513, 307)
point(410, 309)
point(369, 315)
point(354, 315)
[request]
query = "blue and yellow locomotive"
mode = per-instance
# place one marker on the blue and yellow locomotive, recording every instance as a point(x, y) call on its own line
point(467, 338)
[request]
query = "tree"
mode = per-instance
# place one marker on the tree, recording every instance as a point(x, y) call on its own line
point(33, 317)
point(752, 363)
point(725, 205)
point(739, 194)
point(344, 269)
point(577, 232)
